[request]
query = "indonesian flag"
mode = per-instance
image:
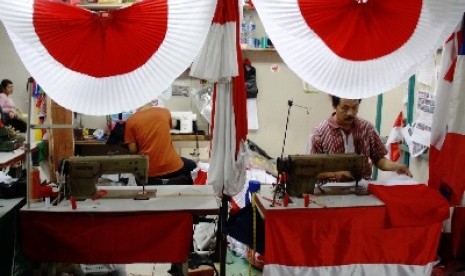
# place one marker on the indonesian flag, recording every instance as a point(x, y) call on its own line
point(448, 140)
point(218, 62)
point(395, 138)
point(448, 129)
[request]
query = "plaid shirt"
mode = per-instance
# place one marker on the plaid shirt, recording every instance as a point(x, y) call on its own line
point(327, 138)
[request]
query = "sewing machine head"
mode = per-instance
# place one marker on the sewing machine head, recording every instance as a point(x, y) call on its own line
point(303, 170)
point(83, 172)
point(183, 122)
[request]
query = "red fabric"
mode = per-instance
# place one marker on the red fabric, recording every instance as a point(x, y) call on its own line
point(415, 205)
point(362, 31)
point(226, 11)
point(86, 39)
point(446, 166)
point(201, 178)
point(395, 150)
point(449, 76)
point(77, 237)
point(239, 91)
point(340, 236)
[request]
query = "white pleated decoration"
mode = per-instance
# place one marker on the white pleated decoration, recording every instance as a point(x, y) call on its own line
point(354, 49)
point(102, 91)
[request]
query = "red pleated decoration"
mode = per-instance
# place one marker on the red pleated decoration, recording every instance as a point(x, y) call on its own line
point(101, 44)
point(362, 31)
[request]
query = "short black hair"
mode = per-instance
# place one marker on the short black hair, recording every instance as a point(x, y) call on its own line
point(5, 83)
point(336, 100)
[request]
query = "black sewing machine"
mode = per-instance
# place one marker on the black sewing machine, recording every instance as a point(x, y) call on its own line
point(302, 170)
point(83, 172)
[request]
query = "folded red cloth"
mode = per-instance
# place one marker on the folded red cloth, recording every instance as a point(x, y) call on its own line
point(412, 205)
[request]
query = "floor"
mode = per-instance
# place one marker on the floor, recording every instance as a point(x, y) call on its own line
point(235, 266)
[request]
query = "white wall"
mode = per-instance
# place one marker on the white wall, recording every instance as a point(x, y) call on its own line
point(12, 68)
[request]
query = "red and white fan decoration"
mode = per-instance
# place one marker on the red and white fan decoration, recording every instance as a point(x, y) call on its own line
point(101, 63)
point(357, 48)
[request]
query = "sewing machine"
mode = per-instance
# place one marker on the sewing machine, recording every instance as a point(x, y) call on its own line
point(183, 121)
point(303, 170)
point(82, 172)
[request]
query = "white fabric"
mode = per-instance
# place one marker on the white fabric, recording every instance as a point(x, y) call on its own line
point(456, 122)
point(218, 57)
point(355, 269)
point(349, 146)
point(226, 173)
point(310, 58)
point(442, 111)
point(252, 114)
point(188, 24)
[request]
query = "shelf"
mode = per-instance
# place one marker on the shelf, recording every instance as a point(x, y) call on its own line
point(57, 126)
point(259, 49)
point(103, 7)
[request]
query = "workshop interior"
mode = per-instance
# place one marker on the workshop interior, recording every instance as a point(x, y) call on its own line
point(232, 137)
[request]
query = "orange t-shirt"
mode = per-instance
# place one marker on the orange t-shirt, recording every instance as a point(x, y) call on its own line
point(150, 130)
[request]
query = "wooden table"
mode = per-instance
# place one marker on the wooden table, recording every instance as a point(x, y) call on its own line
point(10, 157)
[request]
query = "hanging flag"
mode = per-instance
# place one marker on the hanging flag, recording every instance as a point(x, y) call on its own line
point(395, 138)
point(448, 128)
point(218, 62)
point(448, 142)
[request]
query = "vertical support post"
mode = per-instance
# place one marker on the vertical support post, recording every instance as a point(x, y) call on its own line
point(27, 146)
point(379, 115)
point(223, 241)
point(410, 105)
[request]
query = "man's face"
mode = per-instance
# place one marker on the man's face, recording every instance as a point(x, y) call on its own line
point(346, 112)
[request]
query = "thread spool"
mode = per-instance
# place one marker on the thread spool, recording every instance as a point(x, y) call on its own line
point(34, 188)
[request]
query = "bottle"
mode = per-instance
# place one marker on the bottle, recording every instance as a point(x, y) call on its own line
point(244, 28)
point(251, 34)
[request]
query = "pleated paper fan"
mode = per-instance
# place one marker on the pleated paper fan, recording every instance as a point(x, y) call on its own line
point(102, 63)
point(357, 48)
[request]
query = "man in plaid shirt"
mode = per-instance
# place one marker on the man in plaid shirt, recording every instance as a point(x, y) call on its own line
point(344, 132)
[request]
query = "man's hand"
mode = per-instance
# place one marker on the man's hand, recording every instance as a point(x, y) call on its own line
point(401, 169)
point(385, 164)
point(340, 176)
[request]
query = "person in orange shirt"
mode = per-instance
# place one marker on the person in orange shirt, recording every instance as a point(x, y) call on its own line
point(147, 132)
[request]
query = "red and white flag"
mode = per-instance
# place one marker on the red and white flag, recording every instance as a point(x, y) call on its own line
point(448, 129)
point(395, 138)
point(218, 62)
point(448, 138)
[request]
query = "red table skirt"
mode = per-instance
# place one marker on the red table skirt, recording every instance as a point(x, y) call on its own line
point(343, 236)
point(93, 238)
